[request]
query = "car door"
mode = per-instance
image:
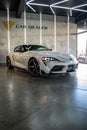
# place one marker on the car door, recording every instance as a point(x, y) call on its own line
point(20, 57)
point(16, 56)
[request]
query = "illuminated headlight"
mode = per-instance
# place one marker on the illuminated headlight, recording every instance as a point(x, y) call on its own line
point(49, 59)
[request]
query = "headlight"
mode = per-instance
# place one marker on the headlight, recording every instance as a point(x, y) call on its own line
point(50, 59)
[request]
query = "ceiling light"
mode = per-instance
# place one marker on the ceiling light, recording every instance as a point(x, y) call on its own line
point(52, 10)
point(70, 12)
point(80, 10)
point(59, 2)
point(29, 1)
point(31, 8)
point(79, 6)
point(61, 7)
point(39, 4)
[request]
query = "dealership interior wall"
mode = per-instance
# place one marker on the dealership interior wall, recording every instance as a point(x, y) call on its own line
point(33, 32)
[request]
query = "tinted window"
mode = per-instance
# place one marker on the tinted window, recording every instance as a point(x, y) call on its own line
point(24, 48)
point(17, 49)
point(38, 48)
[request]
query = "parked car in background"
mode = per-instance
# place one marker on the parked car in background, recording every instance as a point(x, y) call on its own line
point(82, 59)
point(37, 60)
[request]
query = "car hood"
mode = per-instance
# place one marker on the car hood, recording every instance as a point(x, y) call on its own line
point(65, 57)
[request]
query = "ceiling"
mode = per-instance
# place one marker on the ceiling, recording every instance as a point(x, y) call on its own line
point(75, 8)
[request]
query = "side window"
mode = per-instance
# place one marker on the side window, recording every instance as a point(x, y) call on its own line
point(17, 49)
point(34, 48)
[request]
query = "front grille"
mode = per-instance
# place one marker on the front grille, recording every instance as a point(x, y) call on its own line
point(57, 68)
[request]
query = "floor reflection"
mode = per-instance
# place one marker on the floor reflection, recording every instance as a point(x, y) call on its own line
point(43, 103)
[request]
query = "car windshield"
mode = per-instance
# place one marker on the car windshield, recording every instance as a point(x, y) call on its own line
point(38, 48)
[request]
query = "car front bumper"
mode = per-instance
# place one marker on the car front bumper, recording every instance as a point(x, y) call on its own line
point(54, 67)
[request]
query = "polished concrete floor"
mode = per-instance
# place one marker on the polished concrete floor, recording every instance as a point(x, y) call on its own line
point(43, 103)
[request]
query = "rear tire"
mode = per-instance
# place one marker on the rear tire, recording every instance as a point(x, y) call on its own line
point(8, 62)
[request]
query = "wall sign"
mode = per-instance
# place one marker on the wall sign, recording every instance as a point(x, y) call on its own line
point(10, 24)
point(30, 27)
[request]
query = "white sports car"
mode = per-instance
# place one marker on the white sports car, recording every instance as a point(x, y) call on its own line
point(37, 60)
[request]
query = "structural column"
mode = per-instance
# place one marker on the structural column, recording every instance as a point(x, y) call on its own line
point(25, 25)
point(8, 29)
point(40, 28)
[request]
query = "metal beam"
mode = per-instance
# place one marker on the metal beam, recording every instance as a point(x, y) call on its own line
point(21, 8)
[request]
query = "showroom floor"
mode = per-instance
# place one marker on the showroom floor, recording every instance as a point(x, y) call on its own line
point(43, 103)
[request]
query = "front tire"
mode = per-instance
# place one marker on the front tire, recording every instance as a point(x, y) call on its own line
point(8, 62)
point(33, 67)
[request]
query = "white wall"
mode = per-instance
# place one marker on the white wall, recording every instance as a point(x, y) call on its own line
point(33, 35)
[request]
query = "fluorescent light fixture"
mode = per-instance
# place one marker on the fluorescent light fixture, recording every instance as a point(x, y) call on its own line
point(55, 5)
point(29, 1)
point(52, 10)
point(79, 6)
point(70, 12)
point(45, 5)
point(61, 7)
point(59, 2)
point(31, 8)
point(80, 10)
